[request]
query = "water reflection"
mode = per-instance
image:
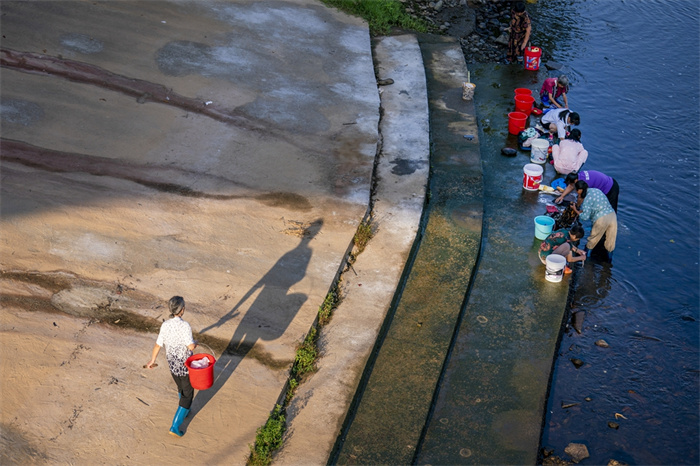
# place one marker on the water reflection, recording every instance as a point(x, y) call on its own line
point(634, 68)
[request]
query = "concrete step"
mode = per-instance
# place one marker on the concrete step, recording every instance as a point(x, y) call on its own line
point(490, 403)
point(395, 397)
point(316, 413)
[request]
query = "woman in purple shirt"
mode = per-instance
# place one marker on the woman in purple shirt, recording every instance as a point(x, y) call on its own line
point(594, 179)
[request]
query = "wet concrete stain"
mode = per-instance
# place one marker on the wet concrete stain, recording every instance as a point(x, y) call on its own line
point(16, 448)
point(109, 313)
point(284, 102)
point(20, 112)
point(81, 43)
point(64, 162)
point(86, 73)
point(291, 201)
point(183, 57)
point(270, 115)
point(406, 166)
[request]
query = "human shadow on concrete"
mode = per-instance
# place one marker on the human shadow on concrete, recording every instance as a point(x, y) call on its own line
point(267, 317)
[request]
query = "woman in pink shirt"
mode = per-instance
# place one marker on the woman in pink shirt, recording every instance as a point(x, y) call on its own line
point(569, 155)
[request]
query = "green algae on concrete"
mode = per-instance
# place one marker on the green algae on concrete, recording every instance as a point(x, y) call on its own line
point(491, 401)
point(391, 411)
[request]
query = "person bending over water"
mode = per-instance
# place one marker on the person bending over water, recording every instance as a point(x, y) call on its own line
point(569, 155)
point(596, 208)
point(607, 184)
point(558, 121)
point(552, 90)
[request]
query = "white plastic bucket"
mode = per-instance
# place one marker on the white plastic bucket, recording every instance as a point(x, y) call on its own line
point(532, 176)
point(468, 91)
point(539, 151)
point(554, 270)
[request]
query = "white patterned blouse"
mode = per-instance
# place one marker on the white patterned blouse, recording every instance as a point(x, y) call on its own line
point(176, 334)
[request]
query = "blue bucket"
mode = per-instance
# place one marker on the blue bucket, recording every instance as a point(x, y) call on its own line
point(543, 226)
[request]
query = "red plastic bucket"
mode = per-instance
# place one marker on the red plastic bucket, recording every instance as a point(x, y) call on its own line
point(523, 91)
point(516, 122)
point(531, 58)
point(524, 103)
point(201, 379)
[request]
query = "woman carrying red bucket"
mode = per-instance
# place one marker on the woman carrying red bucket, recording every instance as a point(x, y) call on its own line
point(176, 335)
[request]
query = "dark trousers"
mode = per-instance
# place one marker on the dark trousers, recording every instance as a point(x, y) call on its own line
point(184, 388)
point(613, 194)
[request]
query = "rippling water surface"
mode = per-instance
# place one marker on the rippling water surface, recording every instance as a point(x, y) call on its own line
point(634, 72)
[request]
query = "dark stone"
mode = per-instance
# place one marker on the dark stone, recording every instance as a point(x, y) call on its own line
point(385, 82)
point(577, 320)
point(577, 362)
point(552, 65)
point(509, 151)
point(613, 425)
point(566, 405)
point(602, 343)
point(577, 452)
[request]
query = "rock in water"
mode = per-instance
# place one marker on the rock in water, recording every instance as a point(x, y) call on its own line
point(615, 463)
point(577, 362)
point(577, 452)
point(552, 65)
point(577, 320)
point(613, 425)
point(602, 343)
point(509, 151)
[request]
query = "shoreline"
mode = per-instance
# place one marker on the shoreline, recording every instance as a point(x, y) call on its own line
point(479, 25)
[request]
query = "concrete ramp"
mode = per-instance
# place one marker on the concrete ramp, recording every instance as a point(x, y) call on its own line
point(221, 151)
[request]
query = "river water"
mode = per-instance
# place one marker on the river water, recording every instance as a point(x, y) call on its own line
point(635, 81)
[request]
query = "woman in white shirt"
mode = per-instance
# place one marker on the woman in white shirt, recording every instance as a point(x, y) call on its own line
point(176, 335)
point(557, 121)
point(569, 155)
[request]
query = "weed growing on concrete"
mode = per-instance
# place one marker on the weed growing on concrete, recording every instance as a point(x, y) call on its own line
point(305, 358)
point(380, 15)
point(291, 390)
point(304, 363)
point(307, 353)
point(331, 302)
point(268, 438)
point(363, 235)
